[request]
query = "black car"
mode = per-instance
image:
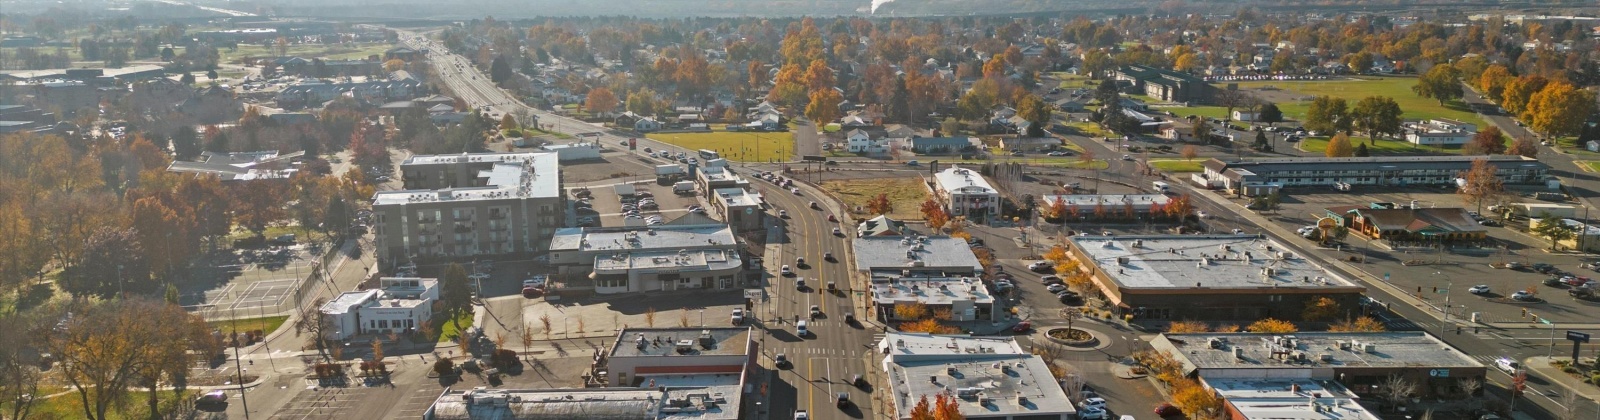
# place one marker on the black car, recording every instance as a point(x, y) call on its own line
point(781, 361)
point(842, 399)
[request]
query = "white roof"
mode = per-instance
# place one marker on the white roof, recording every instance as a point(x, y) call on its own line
point(964, 180)
point(513, 176)
point(636, 238)
point(931, 291)
point(1209, 261)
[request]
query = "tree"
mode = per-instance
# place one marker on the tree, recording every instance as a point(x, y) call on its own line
point(1493, 81)
point(109, 347)
point(1439, 83)
point(218, 143)
point(1321, 308)
point(1324, 114)
point(1273, 326)
point(1559, 109)
point(500, 70)
point(1269, 113)
point(1036, 111)
point(1481, 183)
point(946, 407)
point(1262, 143)
point(1553, 228)
point(185, 143)
point(1181, 327)
point(931, 209)
point(1339, 146)
point(818, 76)
point(455, 294)
point(994, 68)
point(600, 101)
point(315, 326)
point(1190, 152)
point(650, 316)
point(824, 107)
point(1233, 98)
point(1377, 115)
point(1396, 388)
point(1196, 401)
point(922, 410)
point(1362, 324)
point(910, 311)
point(880, 205)
point(1525, 147)
point(1361, 150)
point(1487, 142)
point(19, 380)
point(1520, 91)
point(927, 325)
point(113, 260)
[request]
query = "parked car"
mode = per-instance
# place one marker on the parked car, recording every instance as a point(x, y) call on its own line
point(1050, 279)
point(1168, 410)
point(1522, 295)
point(1041, 266)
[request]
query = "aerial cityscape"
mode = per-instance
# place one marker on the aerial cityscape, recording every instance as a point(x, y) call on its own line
point(796, 210)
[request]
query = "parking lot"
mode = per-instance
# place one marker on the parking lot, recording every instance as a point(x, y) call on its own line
point(607, 203)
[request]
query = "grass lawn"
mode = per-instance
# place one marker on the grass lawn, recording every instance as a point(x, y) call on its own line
point(1071, 162)
point(266, 324)
point(1383, 147)
point(351, 51)
point(447, 330)
point(1069, 81)
point(905, 194)
point(1178, 165)
point(69, 406)
point(301, 234)
point(735, 146)
point(1399, 88)
point(1589, 165)
point(1090, 129)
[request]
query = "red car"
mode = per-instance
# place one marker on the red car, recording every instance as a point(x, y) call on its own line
point(531, 292)
point(1022, 327)
point(1168, 410)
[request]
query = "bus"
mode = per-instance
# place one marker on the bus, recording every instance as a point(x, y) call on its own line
point(708, 154)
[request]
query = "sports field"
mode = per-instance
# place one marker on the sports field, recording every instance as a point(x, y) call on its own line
point(1294, 97)
point(735, 146)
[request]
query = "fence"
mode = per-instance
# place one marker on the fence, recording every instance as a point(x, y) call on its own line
point(305, 290)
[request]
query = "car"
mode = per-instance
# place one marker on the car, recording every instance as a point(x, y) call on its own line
point(1168, 410)
point(1574, 280)
point(531, 292)
point(1059, 154)
point(814, 205)
point(858, 381)
point(795, 190)
point(738, 316)
point(816, 311)
point(700, 211)
point(781, 361)
point(647, 150)
point(842, 400)
point(1022, 327)
point(1066, 296)
point(828, 256)
point(1092, 414)
point(799, 261)
point(1127, 158)
point(1507, 365)
point(836, 232)
point(800, 328)
point(912, 163)
point(1543, 268)
point(1050, 279)
point(831, 218)
point(783, 214)
point(582, 205)
point(1202, 215)
point(1522, 295)
point(1041, 266)
point(211, 399)
point(785, 270)
point(1056, 288)
point(850, 319)
point(1481, 289)
point(1092, 402)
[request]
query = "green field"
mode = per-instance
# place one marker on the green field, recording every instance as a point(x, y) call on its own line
point(350, 51)
point(266, 324)
point(905, 194)
point(1399, 88)
point(1589, 165)
point(1090, 129)
point(447, 330)
point(1179, 165)
point(1070, 162)
point(735, 146)
point(1383, 147)
point(1069, 81)
point(70, 406)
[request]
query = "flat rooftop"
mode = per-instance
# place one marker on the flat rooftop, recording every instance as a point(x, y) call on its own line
point(1203, 261)
point(738, 197)
point(645, 342)
point(989, 376)
point(911, 252)
point(932, 291)
point(1112, 202)
point(1290, 399)
point(511, 176)
point(1395, 349)
point(713, 402)
point(641, 238)
point(963, 180)
point(348, 301)
point(682, 261)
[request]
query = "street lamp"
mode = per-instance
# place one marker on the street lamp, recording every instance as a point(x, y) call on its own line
point(1446, 308)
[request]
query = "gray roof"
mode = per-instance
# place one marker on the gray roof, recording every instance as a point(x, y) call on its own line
point(1403, 349)
point(716, 402)
point(975, 369)
point(1264, 166)
point(639, 238)
point(664, 341)
point(897, 252)
point(1203, 262)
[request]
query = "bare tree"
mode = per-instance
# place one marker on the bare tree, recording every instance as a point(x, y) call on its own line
point(1470, 386)
point(1569, 406)
point(683, 318)
point(650, 316)
point(527, 336)
point(1396, 388)
point(314, 326)
point(1234, 98)
point(545, 319)
point(17, 379)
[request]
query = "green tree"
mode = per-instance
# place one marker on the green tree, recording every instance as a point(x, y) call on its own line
point(1377, 115)
point(1269, 114)
point(185, 143)
point(1439, 83)
point(976, 103)
point(1553, 228)
point(1361, 150)
point(1036, 111)
point(455, 294)
point(1324, 114)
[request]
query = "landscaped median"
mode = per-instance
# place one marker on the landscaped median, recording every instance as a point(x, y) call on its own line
point(1173, 166)
point(1588, 165)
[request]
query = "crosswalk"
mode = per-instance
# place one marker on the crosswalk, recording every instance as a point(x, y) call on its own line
point(1402, 324)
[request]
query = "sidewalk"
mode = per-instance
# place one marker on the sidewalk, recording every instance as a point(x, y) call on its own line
point(1541, 365)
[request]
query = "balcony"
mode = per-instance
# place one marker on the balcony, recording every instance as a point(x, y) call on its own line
point(463, 228)
point(501, 228)
point(497, 216)
point(464, 218)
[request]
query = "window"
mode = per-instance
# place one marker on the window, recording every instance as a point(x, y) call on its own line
point(611, 282)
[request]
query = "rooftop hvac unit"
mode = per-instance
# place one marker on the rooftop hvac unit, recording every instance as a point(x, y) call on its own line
point(1344, 345)
point(1122, 260)
point(968, 392)
point(1238, 353)
point(950, 370)
point(1369, 348)
point(1284, 255)
point(1138, 243)
point(1022, 400)
point(1325, 358)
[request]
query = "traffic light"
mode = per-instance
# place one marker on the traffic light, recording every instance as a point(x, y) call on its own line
point(1524, 312)
point(1535, 317)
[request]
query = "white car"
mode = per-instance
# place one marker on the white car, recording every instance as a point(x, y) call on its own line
point(1202, 215)
point(1522, 295)
point(1039, 266)
point(836, 232)
point(1479, 289)
point(785, 270)
point(1093, 402)
point(1057, 287)
point(1092, 414)
point(783, 214)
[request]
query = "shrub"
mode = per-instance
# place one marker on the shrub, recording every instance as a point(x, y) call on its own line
point(504, 358)
point(444, 366)
point(1569, 369)
point(1595, 379)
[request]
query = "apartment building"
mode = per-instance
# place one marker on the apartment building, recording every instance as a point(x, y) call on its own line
point(470, 204)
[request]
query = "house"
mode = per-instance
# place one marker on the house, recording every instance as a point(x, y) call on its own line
point(1245, 116)
point(646, 124)
point(942, 145)
point(1030, 144)
point(1222, 278)
point(965, 192)
point(1406, 223)
point(1073, 104)
point(861, 141)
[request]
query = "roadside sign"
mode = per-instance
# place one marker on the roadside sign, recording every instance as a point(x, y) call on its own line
point(1578, 336)
point(1544, 321)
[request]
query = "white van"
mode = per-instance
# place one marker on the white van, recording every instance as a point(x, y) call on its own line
point(1507, 365)
point(1160, 186)
point(800, 328)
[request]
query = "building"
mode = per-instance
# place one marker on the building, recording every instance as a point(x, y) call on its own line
point(241, 166)
point(314, 93)
point(1383, 171)
point(991, 377)
point(965, 192)
point(574, 152)
point(885, 257)
point(470, 204)
point(1360, 361)
point(399, 305)
point(716, 400)
point(1086, 205)
point(639, 354)
point(943, 145)
point(1030, 144)
point(1166, 85)
point(1440, 132)
point(881, 226)
point(646, 124)
point(741, 209)
point(1389, 222)
point(1585, 236)
point(966, 298)
point(1206, 277)
point(710, 177)
point(641, 259)
point(861, 141)
point(1288, 399)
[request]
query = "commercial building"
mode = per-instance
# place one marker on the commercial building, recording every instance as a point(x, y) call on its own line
point(696, 400)
point(470, 204)
point(965, 297)
point(1089, 204)
point(943, 145)
point(1440, 132)
point(1360, 361)
point(710, 177)
point(881, 226)
point(991, 378)
point(740, 208)
point(1288, 399)
point(885, 257)
point(1383, 171)
point(639, 356)
point(1391, 222)
point(575, 152)
point(640, 258)
point(241, 166)
point(1585, 236)
point(399, 305)
point(1206, 277)
point(1166, 85)
point(965, 192)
